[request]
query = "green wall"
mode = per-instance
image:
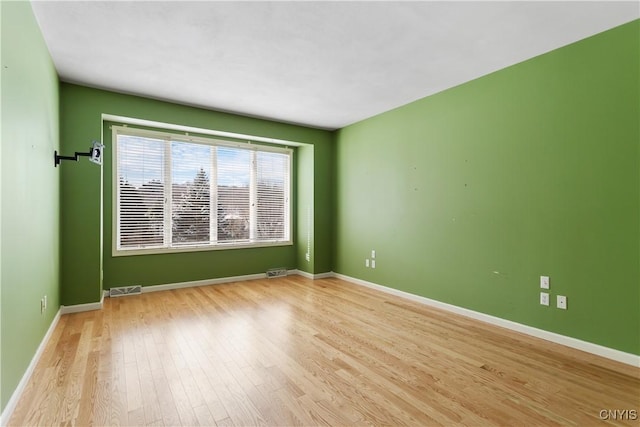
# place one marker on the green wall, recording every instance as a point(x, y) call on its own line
point(30, 193)
point(81, 121)
point(304, 209)
point(323, 205)
point(469, 195)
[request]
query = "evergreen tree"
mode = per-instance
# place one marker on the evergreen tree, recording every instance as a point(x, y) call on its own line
point(153, 197)
point(191, 214)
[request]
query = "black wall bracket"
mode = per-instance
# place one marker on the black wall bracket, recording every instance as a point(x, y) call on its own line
point(94, 154)
point(58, 159)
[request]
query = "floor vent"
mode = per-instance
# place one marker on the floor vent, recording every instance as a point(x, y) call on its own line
point(125, 290)
point(276, 272)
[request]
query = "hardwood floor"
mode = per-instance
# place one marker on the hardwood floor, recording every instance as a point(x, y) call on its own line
point(292, 351)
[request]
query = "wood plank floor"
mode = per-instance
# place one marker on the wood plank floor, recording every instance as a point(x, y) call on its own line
point(292, 351)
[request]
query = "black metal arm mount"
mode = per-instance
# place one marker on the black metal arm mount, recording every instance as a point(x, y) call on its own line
point(58, 159)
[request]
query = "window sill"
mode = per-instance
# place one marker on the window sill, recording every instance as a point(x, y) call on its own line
point(219, 247)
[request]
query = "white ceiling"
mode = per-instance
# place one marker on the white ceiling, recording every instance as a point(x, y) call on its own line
point(320, 64)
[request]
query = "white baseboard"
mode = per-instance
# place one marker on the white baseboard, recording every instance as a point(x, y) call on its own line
point(300, 273)
point(206, 282)
point(194, 283)
point(17, 393)
point(599, 350)
point(324, 275)
point(311, 275)
point(68, 309)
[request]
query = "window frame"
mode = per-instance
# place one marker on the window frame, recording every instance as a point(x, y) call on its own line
point(167, 137)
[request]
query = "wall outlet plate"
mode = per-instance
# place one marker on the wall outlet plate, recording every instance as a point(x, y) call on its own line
point(373, 263)
point(561, 302)
point(544, 282)
point(373, 253)
point(366, 262)
point(544, 298)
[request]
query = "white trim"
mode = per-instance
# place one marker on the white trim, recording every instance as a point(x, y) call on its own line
point(186, 129)
point(324, 275)
point(167, 245)
point(218, 281)
point(311, 275)
point(166, 135)
point(17, 393)
point(194, 283)
point(300, 273)
point(217, 247)
point(598, 350)
point(68, 309)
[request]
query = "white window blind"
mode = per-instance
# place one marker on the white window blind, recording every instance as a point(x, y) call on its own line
point(272, 179)
point(174, 194)
point(234, 195)
point(141, 192)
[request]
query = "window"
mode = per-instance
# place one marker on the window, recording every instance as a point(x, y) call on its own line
point(175, 193)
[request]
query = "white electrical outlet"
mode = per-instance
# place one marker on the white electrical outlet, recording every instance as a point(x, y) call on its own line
point(544, 298)
point(544, 282)
point(561, 302)
point(41, 305)
point(366, 262)
point(45, 302)
point(373, 263)
point(373, 253)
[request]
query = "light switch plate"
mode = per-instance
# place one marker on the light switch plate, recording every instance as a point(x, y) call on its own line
point(544, 282)
point(544, 298)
